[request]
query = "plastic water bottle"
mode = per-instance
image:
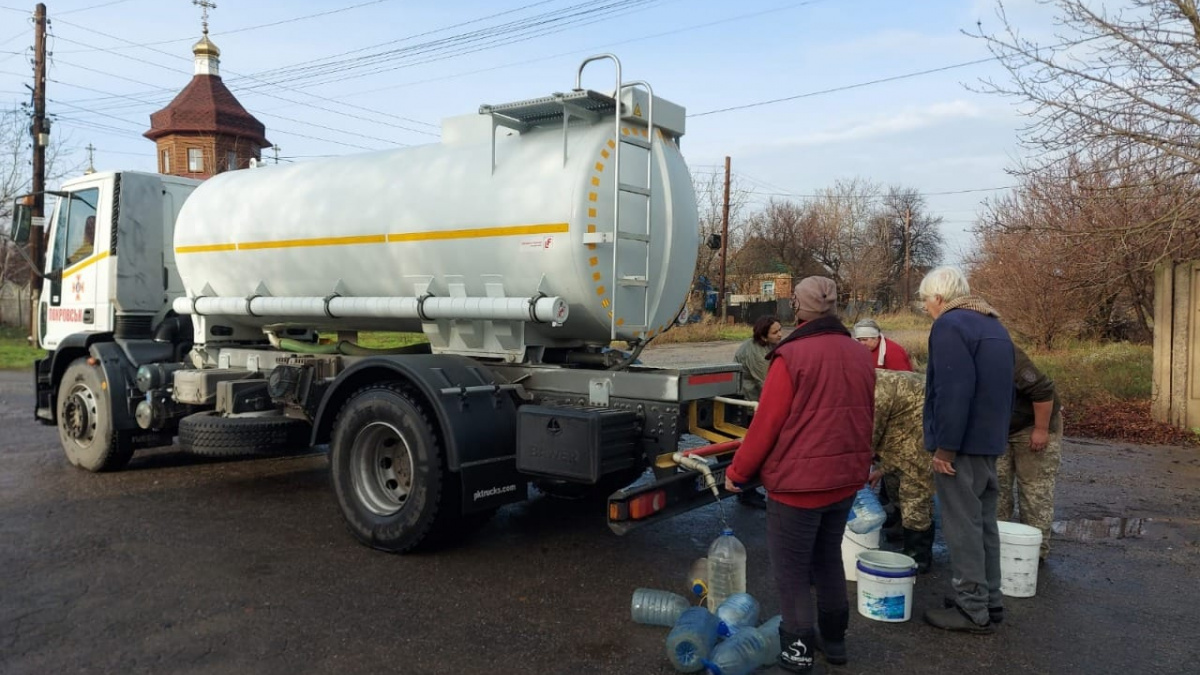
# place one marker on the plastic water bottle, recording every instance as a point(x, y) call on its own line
point(697, 580)
point(738, 611)
point(726, 568)
point(657, 608)
point(692, 639)
point(867, 514)
point(770, 632)
point(739, 655)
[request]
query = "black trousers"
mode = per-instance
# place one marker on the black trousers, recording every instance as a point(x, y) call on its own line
point(804, 542)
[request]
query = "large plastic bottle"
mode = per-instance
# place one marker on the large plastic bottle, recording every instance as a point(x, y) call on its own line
point(738, 611)
point(867, 513)
point(726, 568)
point(697, 581)
point(739, 655)
point(770, 631)
point(692, 639)
point(657, 608)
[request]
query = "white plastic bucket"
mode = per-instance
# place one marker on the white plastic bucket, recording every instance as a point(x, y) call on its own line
point(885, 585)
point(1020, 546)
point(852, 545)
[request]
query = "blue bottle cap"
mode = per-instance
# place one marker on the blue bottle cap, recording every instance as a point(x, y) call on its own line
point(727, 531)
point(711, 667)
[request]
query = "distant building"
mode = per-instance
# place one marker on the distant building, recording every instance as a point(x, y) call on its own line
point(205, 131)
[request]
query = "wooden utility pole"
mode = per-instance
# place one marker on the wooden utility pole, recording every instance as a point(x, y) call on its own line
point(907, 256)
point(40, 130)
point(724, 241)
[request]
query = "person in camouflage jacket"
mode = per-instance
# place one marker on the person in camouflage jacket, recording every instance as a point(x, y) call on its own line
point(1034, 450)
point(898, 442)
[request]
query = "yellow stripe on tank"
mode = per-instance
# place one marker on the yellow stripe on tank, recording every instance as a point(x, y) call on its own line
point(472, 233)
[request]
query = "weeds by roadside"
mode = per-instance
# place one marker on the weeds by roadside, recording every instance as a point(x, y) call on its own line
point(16, 353)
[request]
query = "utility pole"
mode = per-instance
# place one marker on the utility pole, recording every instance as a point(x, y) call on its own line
point(724, 241)
point(40, 130)
point(907, 255)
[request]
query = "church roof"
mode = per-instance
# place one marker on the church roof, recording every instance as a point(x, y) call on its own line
point(207, 106)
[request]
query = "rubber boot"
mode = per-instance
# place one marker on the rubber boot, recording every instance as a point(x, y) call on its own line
point(892, 526)
point(919, 546)
point(797, 651)
point(833, 635)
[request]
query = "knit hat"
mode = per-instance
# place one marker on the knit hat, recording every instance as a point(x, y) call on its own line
point(867, 328)
point(814, 297)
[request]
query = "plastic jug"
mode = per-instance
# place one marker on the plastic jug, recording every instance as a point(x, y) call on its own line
point(867, 513)
point(726, 568)
point(738, 611)
point(770, 632)
point(692, 639)
point(739, 655)
point(657, 608)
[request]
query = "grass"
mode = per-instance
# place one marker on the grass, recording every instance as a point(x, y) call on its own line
point(899, 321)
point(1089, 372)
point(708, 330)
point(15, 351)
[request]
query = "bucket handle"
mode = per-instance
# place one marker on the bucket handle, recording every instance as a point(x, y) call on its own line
point(910, 572)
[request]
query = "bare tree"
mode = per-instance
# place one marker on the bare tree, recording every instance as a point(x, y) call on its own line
point(914, 240)
point(1120, 83)
point(1076, 232)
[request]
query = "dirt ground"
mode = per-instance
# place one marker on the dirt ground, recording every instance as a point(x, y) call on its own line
point(179, 565)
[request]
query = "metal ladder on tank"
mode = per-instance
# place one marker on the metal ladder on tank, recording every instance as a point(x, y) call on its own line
point(591, 106)
point(640, 281)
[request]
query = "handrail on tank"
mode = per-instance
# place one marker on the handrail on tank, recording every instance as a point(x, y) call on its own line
point(601, 57)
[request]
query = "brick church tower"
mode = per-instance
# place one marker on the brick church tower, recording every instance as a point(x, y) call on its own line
point(205, 131)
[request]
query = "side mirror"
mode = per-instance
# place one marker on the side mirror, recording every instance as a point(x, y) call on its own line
point(21, 223)
point(714, 241)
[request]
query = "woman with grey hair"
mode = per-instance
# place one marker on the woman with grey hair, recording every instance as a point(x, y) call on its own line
point(887, 354)
point(968, 405)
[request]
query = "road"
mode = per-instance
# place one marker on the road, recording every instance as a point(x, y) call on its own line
point(178, 565)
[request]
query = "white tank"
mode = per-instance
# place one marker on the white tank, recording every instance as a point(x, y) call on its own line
point(390, 224)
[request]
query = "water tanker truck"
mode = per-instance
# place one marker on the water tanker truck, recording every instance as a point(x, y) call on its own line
point(526, 242)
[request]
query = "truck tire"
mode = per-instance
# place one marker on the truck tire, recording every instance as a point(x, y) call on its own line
point(85, 421)
point(387, 465)
point(210, 435)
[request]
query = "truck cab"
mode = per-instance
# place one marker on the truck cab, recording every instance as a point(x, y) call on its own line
point(109, 262)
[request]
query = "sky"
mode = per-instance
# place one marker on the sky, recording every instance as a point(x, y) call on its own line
point(403, 65)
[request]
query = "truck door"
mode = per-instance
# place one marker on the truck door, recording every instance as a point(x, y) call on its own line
point(71, 300)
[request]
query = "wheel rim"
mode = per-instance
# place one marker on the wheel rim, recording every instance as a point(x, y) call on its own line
point(79, 415)
point(382, 467)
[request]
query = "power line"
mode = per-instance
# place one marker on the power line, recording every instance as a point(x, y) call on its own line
point(894, 78)
point(592, 49)
point(227, 32)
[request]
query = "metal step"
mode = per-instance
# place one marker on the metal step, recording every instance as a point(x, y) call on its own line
point(626, 187)
point(547, 110)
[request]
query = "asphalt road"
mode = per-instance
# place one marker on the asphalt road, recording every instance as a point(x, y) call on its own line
point(178, 565)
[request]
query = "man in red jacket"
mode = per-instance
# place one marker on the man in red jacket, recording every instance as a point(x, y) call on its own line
point(810, 443)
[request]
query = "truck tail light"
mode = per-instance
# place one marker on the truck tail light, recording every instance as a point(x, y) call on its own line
point(647, 504)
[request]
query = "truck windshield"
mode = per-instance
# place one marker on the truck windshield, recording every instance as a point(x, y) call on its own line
point(75, 238)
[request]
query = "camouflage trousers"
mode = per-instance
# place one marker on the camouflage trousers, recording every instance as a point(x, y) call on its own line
point(1035, 474)
point(912, 493)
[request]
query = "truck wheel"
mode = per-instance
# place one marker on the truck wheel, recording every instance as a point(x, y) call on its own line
point(85, 423)
point(210, 435)
point(386, 463)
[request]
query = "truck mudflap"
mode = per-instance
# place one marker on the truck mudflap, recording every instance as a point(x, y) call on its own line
point(668, 493)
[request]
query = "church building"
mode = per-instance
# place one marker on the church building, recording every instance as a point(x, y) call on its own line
point(205, 131)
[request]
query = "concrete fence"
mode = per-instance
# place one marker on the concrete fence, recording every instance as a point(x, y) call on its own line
point(1175, 397)
point(14, 306)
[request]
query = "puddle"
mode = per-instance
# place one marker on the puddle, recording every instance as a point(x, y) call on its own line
point(1103, 528)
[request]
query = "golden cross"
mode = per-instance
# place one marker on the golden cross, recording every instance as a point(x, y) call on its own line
point(204, 6)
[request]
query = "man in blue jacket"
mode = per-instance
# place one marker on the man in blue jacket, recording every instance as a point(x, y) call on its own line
point(968, 405)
